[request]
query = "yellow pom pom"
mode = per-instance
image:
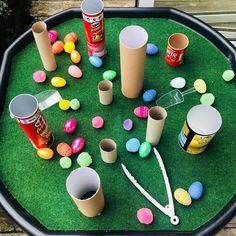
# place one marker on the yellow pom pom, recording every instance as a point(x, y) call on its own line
point(64, 104)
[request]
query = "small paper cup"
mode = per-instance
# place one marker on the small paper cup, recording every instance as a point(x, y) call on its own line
point(201, 125)
point(105, 92)
point(108, 150)
point(84, 187)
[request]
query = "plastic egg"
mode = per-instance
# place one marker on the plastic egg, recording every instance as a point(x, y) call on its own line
point(95, 61)
point(144, 149)
point(45, 153)
point(109, 75)
point(200, 85)
point(128, 124)
point(70, 125)
point(57, 47)
point(182, 197)
point(64, 104)
point(58, 82)
point(39, 76)
point(74, 71)
point(77, 145)
point(132, 145)
point(64, 149)
point(141, 111)
point(149, 95)
point(145, 216)
point(196, 190)
point(52, 35)
point(75, 104)
point(69, 47)
point(75, 56)
point(72, 36)
point(152, 49)
point(178, 83)
point(97, 122)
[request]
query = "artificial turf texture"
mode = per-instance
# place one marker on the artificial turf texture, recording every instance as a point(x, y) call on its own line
point(39, 185)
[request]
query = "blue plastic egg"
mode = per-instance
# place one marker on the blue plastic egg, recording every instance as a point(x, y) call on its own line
point(196, 190)
point(152, 49)
point(149, 95)
point(95, 61)
point(132, 145)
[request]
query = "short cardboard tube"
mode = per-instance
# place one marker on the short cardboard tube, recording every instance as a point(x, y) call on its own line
point(108, 150)
point(41, 37)
point(155, 123)
point(105, 92)
point(84, 186)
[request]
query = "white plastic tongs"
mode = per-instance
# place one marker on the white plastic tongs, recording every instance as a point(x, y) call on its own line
point(169, 209)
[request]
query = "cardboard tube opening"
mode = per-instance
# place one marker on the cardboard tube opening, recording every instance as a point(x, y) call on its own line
point(92, 7)
point(108, 145)
point(39, 27)
point(178, 41)
point(204, 119)
point(105, 85)
point(133, 36)
point(23, 106)
point(157, 113)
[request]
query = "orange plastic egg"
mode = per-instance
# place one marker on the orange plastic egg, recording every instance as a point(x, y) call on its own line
point(57, 47)
point(72, 36)
point(64, 149)
point(75, 56)
point(45, 153)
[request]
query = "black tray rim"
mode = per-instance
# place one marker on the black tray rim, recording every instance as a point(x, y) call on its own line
point(10, 204)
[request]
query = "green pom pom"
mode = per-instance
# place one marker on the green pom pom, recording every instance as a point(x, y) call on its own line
point(228, 75)
point(65, 162)
point(207, 99)
point(84, 159)
point(75, 104)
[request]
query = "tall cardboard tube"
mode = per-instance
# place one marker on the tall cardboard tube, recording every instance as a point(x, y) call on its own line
point(155, 123)
point(105, 92)
point(41, 37)
point(133, 44)
point(84, 186)
point(108, 150)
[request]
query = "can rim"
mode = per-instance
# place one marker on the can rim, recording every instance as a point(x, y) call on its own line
point(182, 48)
point(84, 11)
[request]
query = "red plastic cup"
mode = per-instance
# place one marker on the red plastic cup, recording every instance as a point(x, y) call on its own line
point(25, 109)
point(177, 44)
point(93, 17)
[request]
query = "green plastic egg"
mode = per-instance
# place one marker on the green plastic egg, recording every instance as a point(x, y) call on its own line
point(144, 149)
point(109, 75)
point(58, 82)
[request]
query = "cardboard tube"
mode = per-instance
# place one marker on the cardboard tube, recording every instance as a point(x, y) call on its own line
point(133, 44)
point(41, 37)
point(105, 92)
point(108, 150)
point(84, 187)
point(156, 120)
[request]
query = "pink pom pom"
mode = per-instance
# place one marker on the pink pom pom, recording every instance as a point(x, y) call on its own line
point(145, 216)
point(97, 122)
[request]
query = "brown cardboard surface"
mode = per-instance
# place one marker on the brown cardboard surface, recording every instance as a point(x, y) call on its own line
point(108, 150)
point(105, 92)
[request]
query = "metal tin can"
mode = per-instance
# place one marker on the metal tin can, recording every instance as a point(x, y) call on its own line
point(93, 17)
point(177, 44)
point(25, 109)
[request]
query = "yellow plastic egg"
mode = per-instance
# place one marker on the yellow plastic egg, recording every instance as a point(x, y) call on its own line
point(75, 56)
point(45, 153)
point(64, 104)
point(72, 36)
point(182, 197)
point(58, 82)
point(69, 47)
point(200, 85)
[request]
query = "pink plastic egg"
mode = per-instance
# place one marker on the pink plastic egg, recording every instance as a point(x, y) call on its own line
point(97, 122)
point(145, 216)
point(141, 112)
point(70, 125)
point(39, 76)
point(77, 145)
point(74, 71)
point(52, 35)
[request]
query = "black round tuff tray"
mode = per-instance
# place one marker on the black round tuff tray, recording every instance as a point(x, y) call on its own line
point(15, 210)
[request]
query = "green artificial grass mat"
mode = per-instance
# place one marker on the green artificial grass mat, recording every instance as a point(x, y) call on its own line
point(39, 185)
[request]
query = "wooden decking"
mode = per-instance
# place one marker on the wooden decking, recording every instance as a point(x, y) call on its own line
point(218, 13)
